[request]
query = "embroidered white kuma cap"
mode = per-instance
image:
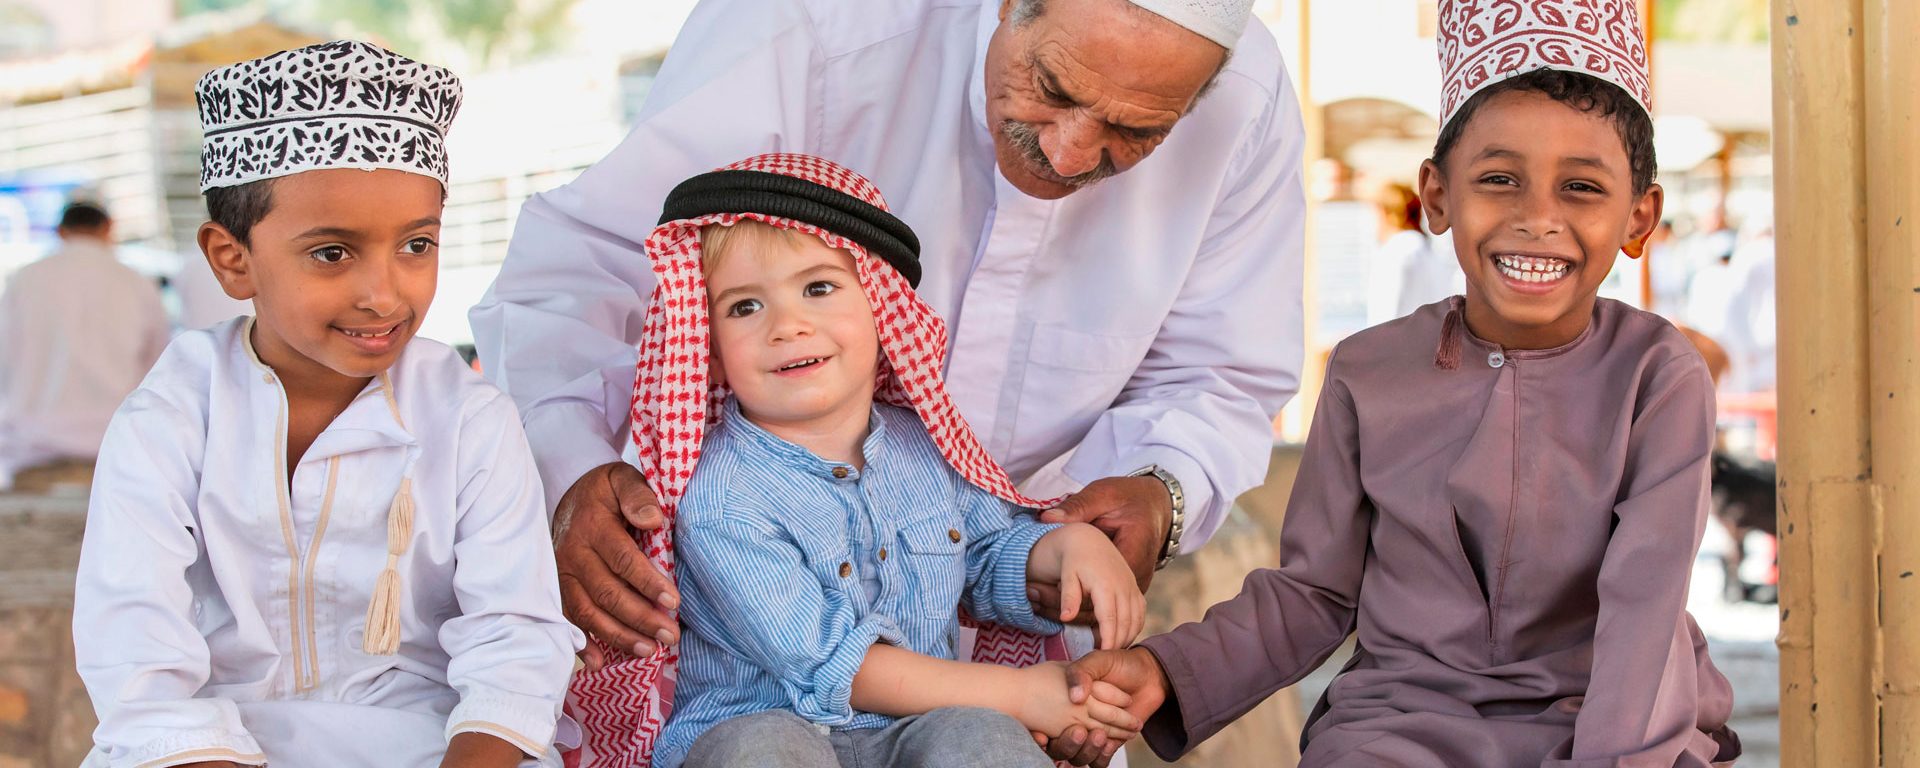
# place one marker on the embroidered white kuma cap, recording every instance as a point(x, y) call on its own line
point(1221, 21)
point(1483, 42)
point(343, 104)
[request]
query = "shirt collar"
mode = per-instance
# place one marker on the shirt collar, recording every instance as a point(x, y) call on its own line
point(758, 440)
point(366, 424)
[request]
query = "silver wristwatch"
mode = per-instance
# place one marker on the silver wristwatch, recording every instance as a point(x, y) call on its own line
point(1179, 499)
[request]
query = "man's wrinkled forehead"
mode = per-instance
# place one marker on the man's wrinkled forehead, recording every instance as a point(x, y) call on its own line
point(1112, 50)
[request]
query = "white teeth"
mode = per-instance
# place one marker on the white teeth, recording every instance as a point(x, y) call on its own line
point(802, 363)
point(1529, 269)
point(382, 334)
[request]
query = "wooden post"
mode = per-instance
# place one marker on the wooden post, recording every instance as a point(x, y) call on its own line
point(1892, 130)
point(1829, 637)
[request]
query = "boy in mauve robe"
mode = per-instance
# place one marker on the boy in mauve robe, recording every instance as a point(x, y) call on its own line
point(1502, 494)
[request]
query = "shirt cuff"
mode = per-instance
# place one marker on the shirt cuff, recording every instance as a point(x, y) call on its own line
point(568, 439)
point(193, 746)
point(830, 700)
point(1170, 729)
point(1202, 518)
point(1009, 580)
point(527, 722)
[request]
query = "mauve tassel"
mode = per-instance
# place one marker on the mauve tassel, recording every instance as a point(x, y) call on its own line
point(1447, 358)
point(383, 614)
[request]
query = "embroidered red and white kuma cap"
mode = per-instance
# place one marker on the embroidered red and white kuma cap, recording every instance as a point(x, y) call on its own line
point(1483, 42)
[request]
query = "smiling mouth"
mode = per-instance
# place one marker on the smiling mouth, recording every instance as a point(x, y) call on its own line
point(800, 364)
point(371, 334)
point(1532, 269)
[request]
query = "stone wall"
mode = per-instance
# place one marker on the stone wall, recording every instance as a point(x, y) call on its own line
point(46, 720)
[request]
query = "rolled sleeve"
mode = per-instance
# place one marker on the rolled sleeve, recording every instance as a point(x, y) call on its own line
point(997, 575)
point(527, 722)
point(827, 698)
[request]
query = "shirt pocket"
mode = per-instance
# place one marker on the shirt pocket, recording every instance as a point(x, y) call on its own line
point(1072, 377)
point(936, 569)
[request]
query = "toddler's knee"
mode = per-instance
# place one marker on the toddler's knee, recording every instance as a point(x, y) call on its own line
point(775, 739)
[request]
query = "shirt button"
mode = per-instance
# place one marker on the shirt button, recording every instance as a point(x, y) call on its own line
point(954, 535)
point(267, 377)
point(840, 472)
point(846, 569)
point(883, 553)
point(1496, 360)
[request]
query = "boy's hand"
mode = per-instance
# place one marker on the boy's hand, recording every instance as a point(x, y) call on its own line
point(471, 749)
point(1134, 672)
point(607, 587)
point(1044, 706)
point(1090, 565)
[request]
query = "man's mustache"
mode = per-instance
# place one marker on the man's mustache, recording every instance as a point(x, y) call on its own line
point(1027, 141)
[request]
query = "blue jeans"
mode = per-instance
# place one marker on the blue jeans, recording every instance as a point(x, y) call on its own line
point(951, 737)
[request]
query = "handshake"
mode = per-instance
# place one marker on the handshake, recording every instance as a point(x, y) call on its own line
point(1108, 697)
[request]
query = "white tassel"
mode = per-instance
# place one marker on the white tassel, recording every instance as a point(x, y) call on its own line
point(383, 614)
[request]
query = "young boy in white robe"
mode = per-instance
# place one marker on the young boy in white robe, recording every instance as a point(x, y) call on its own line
point(314, 540)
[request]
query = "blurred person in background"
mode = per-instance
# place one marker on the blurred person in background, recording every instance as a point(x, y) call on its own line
point(1406, 272)
point(78, 331)
point(1710, 289)
point(1748, 330)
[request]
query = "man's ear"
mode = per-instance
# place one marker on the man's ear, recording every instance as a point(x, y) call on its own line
point(232, 264)
point(1644, 220)
point(1433, 197)
point(1006, 9)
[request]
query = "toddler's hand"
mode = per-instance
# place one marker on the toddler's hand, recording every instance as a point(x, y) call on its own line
point(1134, 673)
point(1046, 708)
point(1090, 564)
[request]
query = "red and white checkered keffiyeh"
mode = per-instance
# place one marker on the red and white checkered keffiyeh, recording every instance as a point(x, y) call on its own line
point(622, 707)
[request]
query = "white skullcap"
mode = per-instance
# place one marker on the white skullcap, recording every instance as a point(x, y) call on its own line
point(1221, 21)
point(343, 104)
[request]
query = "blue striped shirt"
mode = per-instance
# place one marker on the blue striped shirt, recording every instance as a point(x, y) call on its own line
point(772, 545)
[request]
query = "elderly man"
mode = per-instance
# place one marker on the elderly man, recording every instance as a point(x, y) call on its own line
point(1109, 199)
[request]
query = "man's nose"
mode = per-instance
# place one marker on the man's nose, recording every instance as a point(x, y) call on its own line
point(1077, 145)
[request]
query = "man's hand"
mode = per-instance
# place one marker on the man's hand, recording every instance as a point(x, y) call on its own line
point(1133, 511)
point(608, 588)
point(1134, 672)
